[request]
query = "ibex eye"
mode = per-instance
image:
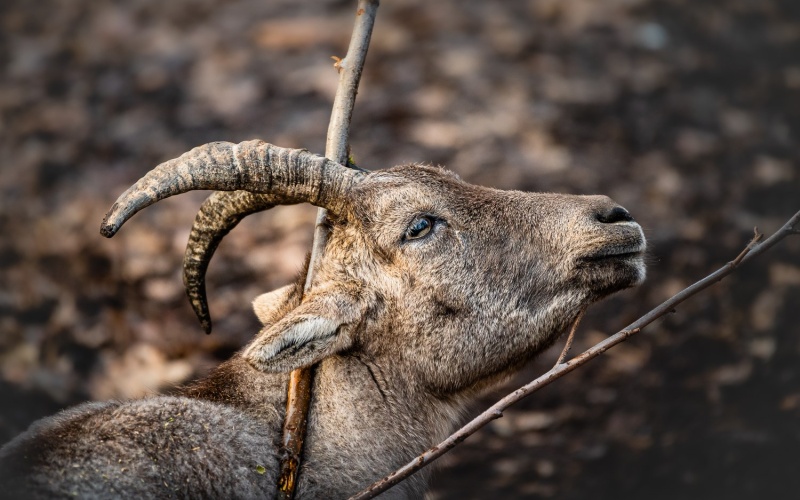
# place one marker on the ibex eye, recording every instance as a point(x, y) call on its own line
point(419, 228)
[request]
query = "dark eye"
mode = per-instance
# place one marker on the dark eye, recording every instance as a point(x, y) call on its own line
point(419, 228)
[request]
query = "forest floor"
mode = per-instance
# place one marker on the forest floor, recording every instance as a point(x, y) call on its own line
point(687, 113)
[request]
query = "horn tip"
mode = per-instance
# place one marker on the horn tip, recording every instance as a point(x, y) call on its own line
point(196, 290)
point(109, 229)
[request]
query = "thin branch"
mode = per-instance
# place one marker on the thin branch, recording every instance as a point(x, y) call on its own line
point(753, 249)
point(336, 149)
point(294, 430)
point(570, 338)
point(756, 238)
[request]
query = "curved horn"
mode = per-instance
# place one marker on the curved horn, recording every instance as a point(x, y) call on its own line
point(220, 213)
point(291, 175)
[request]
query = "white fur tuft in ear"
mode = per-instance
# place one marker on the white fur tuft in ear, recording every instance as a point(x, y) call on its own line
point(301, 342)
point(299, 336)
point(307, 330)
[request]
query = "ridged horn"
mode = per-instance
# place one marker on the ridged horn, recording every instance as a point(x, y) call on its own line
point(220, 213)
point(291, 175)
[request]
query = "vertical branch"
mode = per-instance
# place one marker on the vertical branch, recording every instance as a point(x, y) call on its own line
point(349, 75)
point(570, 338)
point(336, 149)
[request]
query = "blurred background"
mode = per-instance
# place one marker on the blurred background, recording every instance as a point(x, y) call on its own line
point(685, 112)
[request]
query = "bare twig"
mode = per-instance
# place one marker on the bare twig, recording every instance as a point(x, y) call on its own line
point(756, 238)
point(336, 149)
point(294, 429)
point(570, 338)
point(753, 249)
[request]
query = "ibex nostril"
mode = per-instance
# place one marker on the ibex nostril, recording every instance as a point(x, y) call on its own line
point(616, 214)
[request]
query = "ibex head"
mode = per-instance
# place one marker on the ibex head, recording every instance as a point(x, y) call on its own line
point(449, 283)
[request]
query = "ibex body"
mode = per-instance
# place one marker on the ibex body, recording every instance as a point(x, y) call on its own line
point(429, 290)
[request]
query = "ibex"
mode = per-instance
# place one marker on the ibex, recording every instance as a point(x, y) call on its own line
point(429, 290)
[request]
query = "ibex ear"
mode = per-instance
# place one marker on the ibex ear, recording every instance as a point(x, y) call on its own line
point(272, 306)
point(317, 328)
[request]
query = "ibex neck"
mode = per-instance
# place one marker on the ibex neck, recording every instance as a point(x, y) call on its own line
point(364, 426)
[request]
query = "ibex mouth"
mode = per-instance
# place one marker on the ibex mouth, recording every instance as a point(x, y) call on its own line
point(615, 267)
point(630, 247)
point(614, 254)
